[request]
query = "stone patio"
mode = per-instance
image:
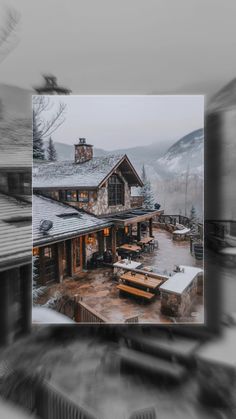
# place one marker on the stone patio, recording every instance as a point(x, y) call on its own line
point(98, 289)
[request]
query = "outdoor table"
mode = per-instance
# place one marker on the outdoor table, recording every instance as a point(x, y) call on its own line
point(145, 240)
point(147, 268)
point(126, 264)
point(142, 279)
point(130, 248)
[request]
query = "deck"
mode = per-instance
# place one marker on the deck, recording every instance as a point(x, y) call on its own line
point(98, 289)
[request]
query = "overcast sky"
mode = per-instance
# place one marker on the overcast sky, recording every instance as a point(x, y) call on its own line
point(124, 46)
point(112, 122)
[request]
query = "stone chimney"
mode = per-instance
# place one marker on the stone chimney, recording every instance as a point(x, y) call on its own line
point(83, 151)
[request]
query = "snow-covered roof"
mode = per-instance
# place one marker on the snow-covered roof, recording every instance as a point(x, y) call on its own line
point(15, 144)
point(15, 232)
point(69, 174)
point(180, 280)
point(67, 221)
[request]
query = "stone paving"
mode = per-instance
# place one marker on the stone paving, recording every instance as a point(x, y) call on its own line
point(98, 289)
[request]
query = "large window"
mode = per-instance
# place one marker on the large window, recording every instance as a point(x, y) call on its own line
point(83, 196)
point(71, 196)
point(115, 191)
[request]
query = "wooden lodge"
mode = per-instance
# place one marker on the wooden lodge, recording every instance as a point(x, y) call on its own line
point(15, 267)
point(88, 204)
point(65, 239)
point(15, 228)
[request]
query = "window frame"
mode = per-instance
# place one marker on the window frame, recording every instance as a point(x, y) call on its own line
point(116, 190)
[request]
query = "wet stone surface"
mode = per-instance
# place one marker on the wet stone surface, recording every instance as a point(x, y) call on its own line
point(99, 291)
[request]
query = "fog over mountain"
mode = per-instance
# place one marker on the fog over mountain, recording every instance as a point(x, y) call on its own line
point(169, 165)
point(15, 101)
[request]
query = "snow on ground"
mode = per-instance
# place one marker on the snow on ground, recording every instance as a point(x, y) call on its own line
point(46, 315)
point(10, 411)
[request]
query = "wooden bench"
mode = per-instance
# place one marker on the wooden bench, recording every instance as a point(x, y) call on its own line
point(152, 364)
point(135, 291)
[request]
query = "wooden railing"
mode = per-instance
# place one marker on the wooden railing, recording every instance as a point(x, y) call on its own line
point(180, 219)
point(86, 314)
point(132, 320)
point(36, 395)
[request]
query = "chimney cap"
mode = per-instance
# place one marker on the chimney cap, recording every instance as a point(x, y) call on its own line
point(82, 141)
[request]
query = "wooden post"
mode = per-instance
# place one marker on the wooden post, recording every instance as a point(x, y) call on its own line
point(26, 296)
point(113, 243)
point(4, 308)
point(84, 257)
point(100, 242)
point(41, 267)
point(150, 227)
point(69, 255)
point(60, 251)
point(139, 231)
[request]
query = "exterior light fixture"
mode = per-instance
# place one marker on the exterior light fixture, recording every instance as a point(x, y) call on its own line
point(106, 232)
point(35, 251)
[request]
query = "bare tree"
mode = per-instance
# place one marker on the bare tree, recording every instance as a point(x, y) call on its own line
point(8, 33)
point(41, 105)
point(43, 127)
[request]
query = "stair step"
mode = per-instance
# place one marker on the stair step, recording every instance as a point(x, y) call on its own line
point(152, 364)
point(180, 347)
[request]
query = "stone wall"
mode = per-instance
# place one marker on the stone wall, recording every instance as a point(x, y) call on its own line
point(179, 305)
point(136, 201)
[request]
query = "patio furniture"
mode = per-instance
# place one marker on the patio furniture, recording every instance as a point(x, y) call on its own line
point(126, 264)
point(96, 260)
point(135, 291)
point(107, 256)
point(142, 280)
point(129, 250)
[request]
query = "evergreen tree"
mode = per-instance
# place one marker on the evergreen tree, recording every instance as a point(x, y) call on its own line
point(38, 150)
point(51, 151)
point(193, 220)
point(146, 191)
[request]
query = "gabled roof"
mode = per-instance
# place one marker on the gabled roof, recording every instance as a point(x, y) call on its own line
point(15, 232)
point(15, 144)
point(92, 173)
point(67, 221)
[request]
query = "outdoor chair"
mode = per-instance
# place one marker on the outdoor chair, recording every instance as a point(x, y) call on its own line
point(156, 244)
point(107, 256)
point(96, 261)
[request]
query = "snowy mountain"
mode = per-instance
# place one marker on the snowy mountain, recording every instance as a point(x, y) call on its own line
point(186, 155)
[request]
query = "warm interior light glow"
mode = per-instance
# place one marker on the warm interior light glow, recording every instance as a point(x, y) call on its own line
point(35, 251)
point(106, 232)
point(126, 230)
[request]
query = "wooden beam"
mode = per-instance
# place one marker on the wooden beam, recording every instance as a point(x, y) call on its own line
point(100, 242)
point(138, 231)
point(84, 256)
point(4, 308)
point(150, 227)
point(113, 243)
point(60, 251)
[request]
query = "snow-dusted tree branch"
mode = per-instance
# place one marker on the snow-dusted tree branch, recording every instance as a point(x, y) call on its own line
point(44, 126)
point(8, 33)
point(41, 105)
